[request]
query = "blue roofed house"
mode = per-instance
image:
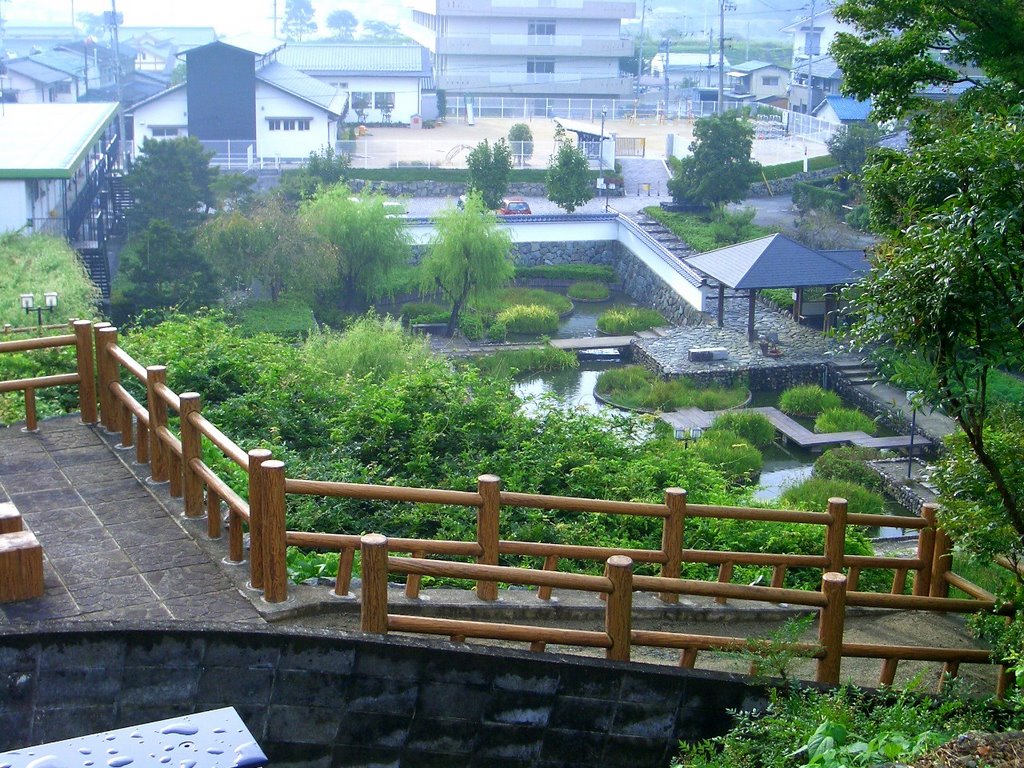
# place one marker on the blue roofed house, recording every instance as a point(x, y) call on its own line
point(381, 83)
point(844, 110)
point(242, 103)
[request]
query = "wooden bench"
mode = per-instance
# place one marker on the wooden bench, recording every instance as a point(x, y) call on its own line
point(21, 558)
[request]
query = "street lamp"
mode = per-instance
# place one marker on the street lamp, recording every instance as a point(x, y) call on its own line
point(600, 155)
point(28, 303)
point(912, 396)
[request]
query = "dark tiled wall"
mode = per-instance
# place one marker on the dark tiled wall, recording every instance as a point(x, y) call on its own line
point(317, 701)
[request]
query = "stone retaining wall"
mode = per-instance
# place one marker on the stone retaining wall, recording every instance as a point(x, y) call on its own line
point(893, 473)
point(785, 186)
point(538, 254)
point(315, 701)
point(442, 188)
point(648, 289)
point(768, 379)
point(885, 413)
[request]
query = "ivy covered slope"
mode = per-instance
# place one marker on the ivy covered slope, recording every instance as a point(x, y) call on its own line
point(375, 405)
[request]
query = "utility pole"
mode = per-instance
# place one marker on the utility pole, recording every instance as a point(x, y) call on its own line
point(122, 137)
point(809, 45)
point(273, 32)
point(723, 6)
point(640, 49)
point(666, 46)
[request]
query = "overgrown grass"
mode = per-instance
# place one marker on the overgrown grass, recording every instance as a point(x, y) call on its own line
point(813, 494)
point(594, 272)
point(751, 426)
point(494, 303)
point(413, 312)
point(733, 454)
point(844, 420)
point(588, 291)
point(529, 319)
point(534, 360)
point(372, 347)
point(783, 297)
point(623, 321)
point(633, 386)
point(706, 233)
point(808, 400)
point(785, 170)
point(39, 263)
point(288, 317)
point(849, 464)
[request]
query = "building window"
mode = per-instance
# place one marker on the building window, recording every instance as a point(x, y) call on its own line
point(812, 43)
point(384, 100)
point(541, 29)
point(766, 80)
point(164, 131)
point(289, 123)
point(541, 69)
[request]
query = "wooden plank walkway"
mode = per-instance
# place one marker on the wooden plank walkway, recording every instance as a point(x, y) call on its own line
point(794, 432)
point(595, 342)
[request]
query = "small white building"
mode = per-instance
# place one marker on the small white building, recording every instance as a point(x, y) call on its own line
point(54, 161)
point(688, 70)
point(758, 81)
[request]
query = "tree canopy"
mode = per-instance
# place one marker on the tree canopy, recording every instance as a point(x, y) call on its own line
point(719, 169)
point(172, 180)
point(343, 22)
point(364, 239)
point(489, 168)
point(568, 178)
point(298, 19)
point(470, 254)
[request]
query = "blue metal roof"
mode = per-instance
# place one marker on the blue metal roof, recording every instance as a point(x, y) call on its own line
point(848, 109)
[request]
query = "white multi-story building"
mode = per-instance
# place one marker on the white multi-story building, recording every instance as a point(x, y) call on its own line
point(812, 37)
point(526, 47)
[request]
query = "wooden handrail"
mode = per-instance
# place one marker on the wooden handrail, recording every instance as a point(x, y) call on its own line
point(515, 632)
point(734, 591)
point(382, 492)
point(575, 504)
point(716, 557)
point(577, 551)
point(916, 653)
point(336, 542)
point(682, 640)
point(168, 395)
point(222, 489)
point(39, 382)
point(763, 515)
point(226, 445)
point(915, 603)
point(126, 398)
point(129, 363)
point(886, 521)
point(41, 342)
point(446, 568)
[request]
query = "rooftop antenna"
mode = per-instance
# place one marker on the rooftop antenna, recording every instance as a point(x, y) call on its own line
point(273, 31)
point(113, 20)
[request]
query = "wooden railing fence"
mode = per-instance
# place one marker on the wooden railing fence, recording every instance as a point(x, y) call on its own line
point(177, 460)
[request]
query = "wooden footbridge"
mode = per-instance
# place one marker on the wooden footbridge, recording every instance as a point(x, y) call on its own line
point(794, 432)
point(593, 343)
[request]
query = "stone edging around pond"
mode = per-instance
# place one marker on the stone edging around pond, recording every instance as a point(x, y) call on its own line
point(612, 404)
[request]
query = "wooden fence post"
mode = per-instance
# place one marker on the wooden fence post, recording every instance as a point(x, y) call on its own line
point(31, 425)
point(925, 551)
point(373, 608)
point(618, 610)
point(487, 522)
point(107, 373)
point(835, 535)
point(212, 514)
point(158, 450)
point(672, 530)
point(256, 506)
point(275, 561)
point(942, 563)
point(191, 448)
point(86, 371)
point(830, 627)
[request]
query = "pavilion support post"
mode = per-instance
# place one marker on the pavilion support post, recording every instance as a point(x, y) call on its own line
point(751, 334)
point(798, 305)
point(830, 306)
point(721, 304)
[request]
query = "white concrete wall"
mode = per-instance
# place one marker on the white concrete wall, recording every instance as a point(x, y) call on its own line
point(169, 111)
point(13, 205)
point(273, 103)
point(28, 90)
point(406, 90)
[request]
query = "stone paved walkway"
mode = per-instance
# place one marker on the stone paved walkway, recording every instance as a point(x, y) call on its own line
point(111, 549)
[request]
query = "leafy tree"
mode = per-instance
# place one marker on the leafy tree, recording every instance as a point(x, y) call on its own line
point(489, 169)
point(469, 255)
point(159, 269)
point(323, 169)
point(94, 23)
point(363, 238)
point(568, 177)
point(267, 245)
point(902, 45)
point(233, 190)
point(520, 137)
point(343, 22)
point(172, 181)
point(947, 287)
point(179, 73)
point(719, 169)
point(850, 146)
point(381, 30)
point(442, 104)
point(298, 19)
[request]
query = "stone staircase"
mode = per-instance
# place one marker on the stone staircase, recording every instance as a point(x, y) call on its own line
point(858, 371)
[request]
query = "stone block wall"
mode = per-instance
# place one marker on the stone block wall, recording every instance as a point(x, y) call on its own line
point(648, 289)
point(441, 188)
point(354, 701)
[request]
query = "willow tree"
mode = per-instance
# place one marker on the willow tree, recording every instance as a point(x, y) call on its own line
point(470, 254)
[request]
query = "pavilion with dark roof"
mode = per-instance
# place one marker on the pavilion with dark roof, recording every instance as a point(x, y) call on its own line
point(776, 261)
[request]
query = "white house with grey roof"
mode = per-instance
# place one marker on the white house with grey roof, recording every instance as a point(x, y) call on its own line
point(382, 83)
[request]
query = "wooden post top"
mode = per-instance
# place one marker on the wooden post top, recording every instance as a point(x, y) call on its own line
point(833, 578)
point(374, 540)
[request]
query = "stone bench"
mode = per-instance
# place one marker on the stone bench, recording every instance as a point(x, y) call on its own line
point(21, 558)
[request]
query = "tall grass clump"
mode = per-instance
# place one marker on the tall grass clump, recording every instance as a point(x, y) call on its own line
point(808, 400)
point(587, 290)
point(413, 312)
point(623, 321)
point(633, 386)
point(733, 455)
point(844, 420)
point(529, 318)
point(751, 426)
point(374, 347)
point(534, 360)
point(813, 494)
point(593, 272)
point(495, 302)
point(850, 464)
point(40, 263)
point(289, 317)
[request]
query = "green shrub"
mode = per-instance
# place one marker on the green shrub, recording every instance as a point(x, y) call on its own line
point(493, 303)
point(705, 233)
point(624, 321)
point(849, 464)
point(290, 318)
point(808, 197)
point(751, 426)
point(508, 362)
point(498, 331)
point(782, 297)
point(372, 346)
point(860, 217)
point(588, 291)
point(471, 326)
point(814, 492)
point(633, 386)
point(844, 420)
point(594, 272)
point(785, 170)
point(808, 400)
point(416, 312)
point(736, 457)
point(529, 318)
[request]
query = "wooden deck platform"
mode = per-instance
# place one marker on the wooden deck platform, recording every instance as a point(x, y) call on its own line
point(794, 432)
point(595, 342)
